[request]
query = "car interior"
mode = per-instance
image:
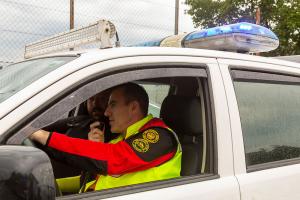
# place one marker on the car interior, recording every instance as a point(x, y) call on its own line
point(183, 105)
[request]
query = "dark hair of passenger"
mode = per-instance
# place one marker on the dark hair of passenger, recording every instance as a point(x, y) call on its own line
point(135, 92)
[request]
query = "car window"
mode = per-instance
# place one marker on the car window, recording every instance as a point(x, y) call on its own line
point(184, 110)
point(183, 114)
point(157, 94)
point(14, 78)
point(270, 113)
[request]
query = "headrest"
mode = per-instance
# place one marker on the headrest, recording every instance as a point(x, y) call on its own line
point(182, 114)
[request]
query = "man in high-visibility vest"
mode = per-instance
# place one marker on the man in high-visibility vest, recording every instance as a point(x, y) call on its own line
point(147, 150)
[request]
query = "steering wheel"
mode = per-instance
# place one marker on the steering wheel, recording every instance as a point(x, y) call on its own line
point(28, 142)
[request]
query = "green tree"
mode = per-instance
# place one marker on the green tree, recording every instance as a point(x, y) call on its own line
point(281, 16)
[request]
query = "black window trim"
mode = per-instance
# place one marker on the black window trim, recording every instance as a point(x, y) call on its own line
point(247, 74)
point(257, 76)
point(274, 164)
point(211, 126)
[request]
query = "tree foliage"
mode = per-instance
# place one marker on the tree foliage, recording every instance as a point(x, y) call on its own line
point(281, 16)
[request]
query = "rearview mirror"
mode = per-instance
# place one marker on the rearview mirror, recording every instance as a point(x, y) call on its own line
point(25, 173)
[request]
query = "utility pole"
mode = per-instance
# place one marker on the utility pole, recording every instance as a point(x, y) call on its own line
point(71, 14)
point(176, 16)
point(257, 20)
point(257, 16)
point(71, 17)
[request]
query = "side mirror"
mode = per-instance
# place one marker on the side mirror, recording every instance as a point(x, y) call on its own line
point(25, 173)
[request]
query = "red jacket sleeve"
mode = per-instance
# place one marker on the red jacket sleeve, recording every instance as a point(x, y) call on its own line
point(103, 158)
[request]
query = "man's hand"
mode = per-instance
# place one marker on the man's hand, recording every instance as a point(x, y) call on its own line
point(96, 134)
point(40, 136)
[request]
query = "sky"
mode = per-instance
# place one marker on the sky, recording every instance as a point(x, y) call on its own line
point(136, 21)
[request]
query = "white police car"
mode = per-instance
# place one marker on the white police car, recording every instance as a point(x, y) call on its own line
point(237, 116)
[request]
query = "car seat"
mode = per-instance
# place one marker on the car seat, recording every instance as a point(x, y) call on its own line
point(183, 115)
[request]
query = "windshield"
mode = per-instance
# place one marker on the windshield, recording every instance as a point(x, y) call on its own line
point(14, 78)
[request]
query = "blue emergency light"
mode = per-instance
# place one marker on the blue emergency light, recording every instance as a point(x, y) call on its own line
point(153, 43)
point(239, 37)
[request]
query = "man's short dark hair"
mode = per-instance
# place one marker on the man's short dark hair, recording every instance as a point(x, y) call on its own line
point(135, 92)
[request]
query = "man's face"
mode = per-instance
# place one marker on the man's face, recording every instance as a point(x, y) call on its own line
point(119, 112)
point(96, 105)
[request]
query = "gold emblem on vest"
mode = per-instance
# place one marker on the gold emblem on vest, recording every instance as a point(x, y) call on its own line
point(140, 145)
point(151, 135)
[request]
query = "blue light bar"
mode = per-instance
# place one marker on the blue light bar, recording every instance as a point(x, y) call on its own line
point(243, 27)
point(239, 37)
point(153, 43)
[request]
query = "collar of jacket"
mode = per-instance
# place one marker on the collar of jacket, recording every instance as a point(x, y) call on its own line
point(134, 128)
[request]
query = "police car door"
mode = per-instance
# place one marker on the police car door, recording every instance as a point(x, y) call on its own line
point(215, 179)
point(264, 101)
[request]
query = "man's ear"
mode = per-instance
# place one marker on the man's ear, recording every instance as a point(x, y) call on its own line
point(134, 106)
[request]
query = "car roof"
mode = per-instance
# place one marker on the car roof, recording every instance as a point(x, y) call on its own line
point(111, 53)
point(295, 58)
point(92, 56)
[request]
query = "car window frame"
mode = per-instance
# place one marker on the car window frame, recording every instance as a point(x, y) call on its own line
point(260, 75)
point(109, 80)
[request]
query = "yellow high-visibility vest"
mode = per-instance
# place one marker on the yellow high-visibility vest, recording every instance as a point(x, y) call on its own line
point(167, 170)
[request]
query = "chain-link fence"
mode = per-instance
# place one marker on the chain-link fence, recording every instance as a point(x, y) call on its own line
point(23, 22)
